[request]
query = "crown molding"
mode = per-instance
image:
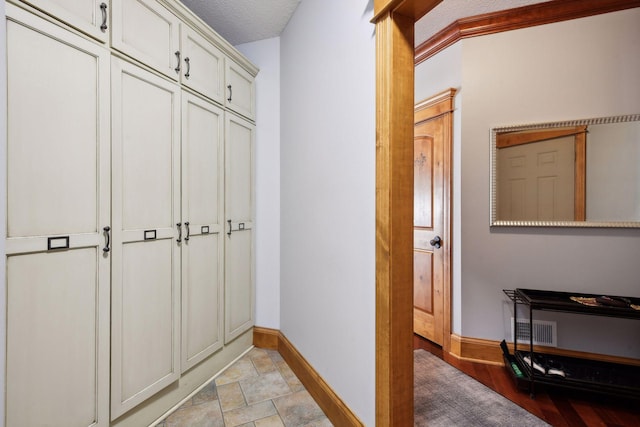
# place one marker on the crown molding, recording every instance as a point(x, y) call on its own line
point(512, 19)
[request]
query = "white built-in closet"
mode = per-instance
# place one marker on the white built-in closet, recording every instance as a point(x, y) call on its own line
point(129, 243)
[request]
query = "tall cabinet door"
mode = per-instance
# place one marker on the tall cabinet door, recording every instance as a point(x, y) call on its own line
point(239, 199)
point(202, 216)
point(146, 204)
point(57, 366)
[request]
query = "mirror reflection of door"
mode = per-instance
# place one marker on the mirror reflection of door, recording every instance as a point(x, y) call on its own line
point(432, 162)
point(541, 175)
point(536, 181)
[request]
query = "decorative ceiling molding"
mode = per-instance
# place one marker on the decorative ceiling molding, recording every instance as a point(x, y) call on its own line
point(512, 19)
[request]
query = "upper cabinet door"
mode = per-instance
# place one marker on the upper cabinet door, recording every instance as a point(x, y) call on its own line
point(148, 32)
point(202, 65)
point(88, 16)
point(240, 96)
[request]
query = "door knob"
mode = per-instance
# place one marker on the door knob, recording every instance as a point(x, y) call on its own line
point(436, 242)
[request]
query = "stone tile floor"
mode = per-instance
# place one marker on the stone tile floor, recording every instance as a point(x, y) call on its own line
point(258, 390)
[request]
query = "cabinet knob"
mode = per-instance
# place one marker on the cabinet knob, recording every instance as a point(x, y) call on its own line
point(103, 8)
point(107, 237)
point(177, 69)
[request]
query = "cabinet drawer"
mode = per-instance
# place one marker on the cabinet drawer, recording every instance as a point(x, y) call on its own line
point(202, 65)
point(240, 87)
point(89, 16)
point(148, 32)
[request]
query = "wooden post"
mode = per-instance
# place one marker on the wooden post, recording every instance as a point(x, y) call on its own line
point(394, 220)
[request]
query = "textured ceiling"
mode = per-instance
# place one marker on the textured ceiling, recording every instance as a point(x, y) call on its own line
point(243, 21)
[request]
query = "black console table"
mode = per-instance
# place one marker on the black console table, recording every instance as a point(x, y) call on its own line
point(607, 378)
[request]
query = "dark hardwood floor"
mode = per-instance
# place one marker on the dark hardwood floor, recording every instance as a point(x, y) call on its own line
point(556, 407)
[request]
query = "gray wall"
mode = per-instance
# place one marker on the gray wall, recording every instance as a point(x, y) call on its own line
point(266, 55)
point(328, 195)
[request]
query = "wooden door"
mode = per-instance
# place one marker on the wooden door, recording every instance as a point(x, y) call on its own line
point(146, 210)
point(536, 180)
point(58, 166)
point(431, 274)
point(239, 197)
point(203, 65)
point(202, 217)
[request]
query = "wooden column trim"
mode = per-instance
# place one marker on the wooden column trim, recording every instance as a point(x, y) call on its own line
point(394, 221)
point(516, 18)
point(394, 208)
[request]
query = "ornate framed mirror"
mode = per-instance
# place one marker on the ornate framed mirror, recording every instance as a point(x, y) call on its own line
point(578, 173)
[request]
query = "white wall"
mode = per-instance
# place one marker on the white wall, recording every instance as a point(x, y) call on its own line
point(569, 70)
point(328, 195)
point(266, 55)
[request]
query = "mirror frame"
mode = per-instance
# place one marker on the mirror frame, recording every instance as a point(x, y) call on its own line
point(495, 222)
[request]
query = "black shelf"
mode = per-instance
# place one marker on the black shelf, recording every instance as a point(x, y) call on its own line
point(613, 379)
point(561, 301)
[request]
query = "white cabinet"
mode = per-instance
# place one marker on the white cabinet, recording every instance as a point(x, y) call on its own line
point(239, 200)
point(240, 96)
point(145, 261)
point(203, 65)
point(148, 32)
point(88, 16)
point(129, 210)
point(202, 241)
point(58, 161)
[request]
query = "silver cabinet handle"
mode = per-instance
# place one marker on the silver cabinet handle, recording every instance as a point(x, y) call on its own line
point(103, 8)
point(179, 225)
point(230, 93)
point(188, 67)
point(177, 69)
point(186, 239)
point(108, 239)
point(230, 230)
